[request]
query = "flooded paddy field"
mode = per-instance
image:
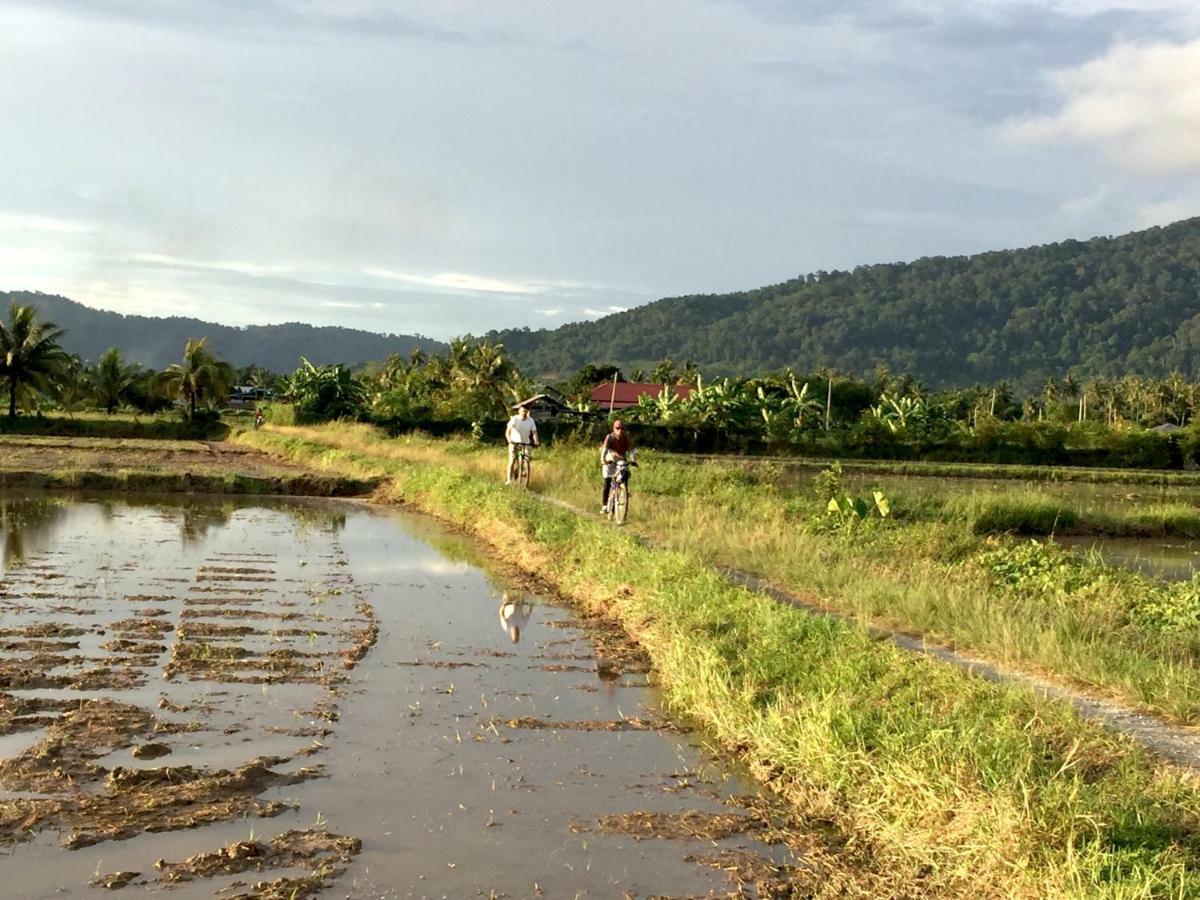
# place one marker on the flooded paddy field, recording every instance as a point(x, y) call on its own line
point(285, 698)
point(1161, 558)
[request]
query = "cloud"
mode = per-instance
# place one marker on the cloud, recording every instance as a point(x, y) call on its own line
point(458, 281)
point(16, 221)
point(241, 268)
point(1138, 102)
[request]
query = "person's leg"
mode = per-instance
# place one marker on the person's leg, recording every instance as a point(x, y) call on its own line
point(604, 492)
point(508, 473)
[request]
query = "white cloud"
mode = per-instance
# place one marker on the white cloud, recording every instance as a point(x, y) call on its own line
point(15, 221)
point(458, 281)
point(1138, 102)
point(241, 268)
point(549, 313)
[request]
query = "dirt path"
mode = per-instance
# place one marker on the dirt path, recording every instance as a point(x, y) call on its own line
point(1177, 743)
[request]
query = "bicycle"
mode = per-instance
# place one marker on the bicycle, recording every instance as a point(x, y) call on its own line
point(522, 464)
point(618, 493)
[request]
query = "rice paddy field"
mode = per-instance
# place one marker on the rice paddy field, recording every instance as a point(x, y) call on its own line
point(269, 698)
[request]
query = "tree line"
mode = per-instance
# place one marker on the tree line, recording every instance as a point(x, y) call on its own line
point(476, 383)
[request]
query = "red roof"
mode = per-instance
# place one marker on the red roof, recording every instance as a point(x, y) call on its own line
point(628, 392)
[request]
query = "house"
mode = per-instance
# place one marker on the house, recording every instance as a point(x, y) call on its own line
point(624, 394)
point(247, 395)
point(546, 404)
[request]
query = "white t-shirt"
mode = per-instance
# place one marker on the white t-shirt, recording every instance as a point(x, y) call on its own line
point(520, 431)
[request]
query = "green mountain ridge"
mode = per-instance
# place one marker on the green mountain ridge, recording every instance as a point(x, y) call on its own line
point(158, 342)
point(1102, 307)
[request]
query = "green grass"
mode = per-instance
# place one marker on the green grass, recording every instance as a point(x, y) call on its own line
point(1017, 472)
point(163, 426)
point(940, 784)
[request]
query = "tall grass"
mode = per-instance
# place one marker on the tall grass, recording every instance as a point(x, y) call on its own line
point(937, 783)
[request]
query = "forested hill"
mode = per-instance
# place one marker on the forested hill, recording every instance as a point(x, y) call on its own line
point(1101, 307)
point(159, 342)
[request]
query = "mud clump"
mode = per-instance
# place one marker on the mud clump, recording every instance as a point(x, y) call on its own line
point(639, 724)
point(757, 876)
point(150, 751)
point(686, 826)
point(114, 880)
point(64, 758)
point(323, 855)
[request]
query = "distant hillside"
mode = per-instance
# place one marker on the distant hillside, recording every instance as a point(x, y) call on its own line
point(1103, 307)
point(159, 342)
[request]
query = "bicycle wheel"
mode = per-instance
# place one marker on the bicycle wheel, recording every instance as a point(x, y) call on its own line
point(620, 505)
point(523, 468)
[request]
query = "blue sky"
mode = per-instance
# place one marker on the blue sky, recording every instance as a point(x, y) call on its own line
point(450, 167)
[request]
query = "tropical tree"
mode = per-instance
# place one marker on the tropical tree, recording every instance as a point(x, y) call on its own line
point(664, 372)
point(112, 380)
point(31, 360)
point(200, 378)
point(485, 380)
point(326, 392)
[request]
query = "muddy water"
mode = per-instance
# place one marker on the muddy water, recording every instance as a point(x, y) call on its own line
point(326, 695)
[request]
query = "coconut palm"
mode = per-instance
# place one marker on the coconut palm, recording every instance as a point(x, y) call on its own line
point(30, 358)
point(112, 380)
point(201, 377)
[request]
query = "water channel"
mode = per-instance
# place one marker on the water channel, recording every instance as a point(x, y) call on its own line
point(232, 641)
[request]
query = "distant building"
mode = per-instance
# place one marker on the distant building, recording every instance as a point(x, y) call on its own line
point(245, 395)
point(546, 404)
point(624, 394)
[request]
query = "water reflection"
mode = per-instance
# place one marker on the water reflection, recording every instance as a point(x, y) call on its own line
point(1164, 559)
point(28, 525)
point(514, 616)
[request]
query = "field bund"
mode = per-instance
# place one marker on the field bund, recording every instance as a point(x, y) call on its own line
point(931, 782)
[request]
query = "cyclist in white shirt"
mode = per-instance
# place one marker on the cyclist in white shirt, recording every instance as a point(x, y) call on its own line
point(521, 429)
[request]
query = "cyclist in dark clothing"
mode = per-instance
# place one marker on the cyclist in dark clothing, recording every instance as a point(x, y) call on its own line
point(616, 445)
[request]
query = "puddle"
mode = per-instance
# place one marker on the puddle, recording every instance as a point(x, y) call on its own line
point(351, 716)
point(1164, 559)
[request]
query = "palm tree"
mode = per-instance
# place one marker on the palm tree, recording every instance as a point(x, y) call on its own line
point(30, 357)
point(113, 379)
point(200, 377)
point(664, 372)
point(485, 378)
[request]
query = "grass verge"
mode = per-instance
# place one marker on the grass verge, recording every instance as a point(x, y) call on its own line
point(939, 784)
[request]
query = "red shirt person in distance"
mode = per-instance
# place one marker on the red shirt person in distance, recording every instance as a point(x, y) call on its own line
point(616, 445)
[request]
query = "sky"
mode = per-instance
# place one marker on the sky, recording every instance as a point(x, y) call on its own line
point(447, 167)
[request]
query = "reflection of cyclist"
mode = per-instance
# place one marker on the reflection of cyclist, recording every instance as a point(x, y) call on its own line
point(616, 445)
point(514, 615)
point(521, 429)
